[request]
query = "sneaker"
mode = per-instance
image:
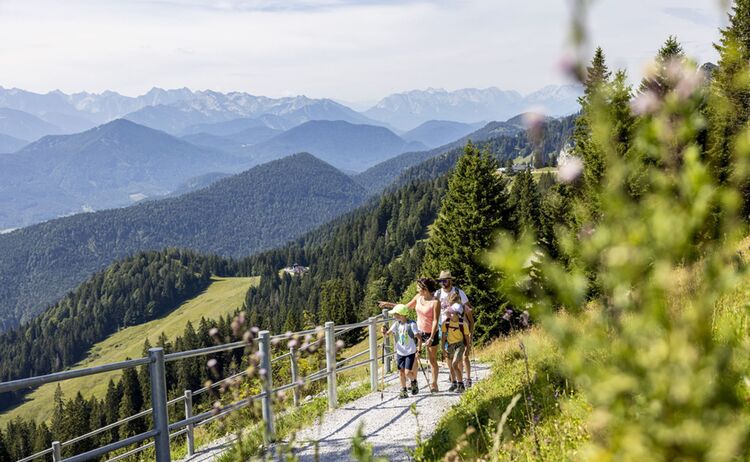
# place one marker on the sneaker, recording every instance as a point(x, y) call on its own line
point(460, 387)
point(453, 387)
point(404, 393)
point(468, 383)
point(414, 387)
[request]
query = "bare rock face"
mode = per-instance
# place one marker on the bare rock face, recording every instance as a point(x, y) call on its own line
point(708, 70)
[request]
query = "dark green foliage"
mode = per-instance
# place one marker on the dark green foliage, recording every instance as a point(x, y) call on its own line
point(132, 291)
point(4, 454)
point(374, 251)
point(77, 422)
point(131, 403)
point(527, 203)
point(377, 178)
point(263, 207)
point(475, 206)
point(659, 82)
point(729, 108)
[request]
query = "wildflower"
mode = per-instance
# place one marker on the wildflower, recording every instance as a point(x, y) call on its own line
point(570, 170)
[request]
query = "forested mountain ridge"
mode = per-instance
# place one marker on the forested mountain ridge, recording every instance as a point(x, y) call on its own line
point(124, 162)
point(128, 292)
point(236, 216)
point(506, 140)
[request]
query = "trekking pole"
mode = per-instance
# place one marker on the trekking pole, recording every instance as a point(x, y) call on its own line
point(425, 373)
point(382, 376)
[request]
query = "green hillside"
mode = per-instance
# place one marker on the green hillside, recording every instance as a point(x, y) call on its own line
point(255, 210)
point(223, 296)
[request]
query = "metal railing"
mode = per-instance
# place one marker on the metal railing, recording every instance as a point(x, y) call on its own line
point(163, 431)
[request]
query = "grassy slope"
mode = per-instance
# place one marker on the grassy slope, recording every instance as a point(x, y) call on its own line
point(561, 413)
point(224, 295)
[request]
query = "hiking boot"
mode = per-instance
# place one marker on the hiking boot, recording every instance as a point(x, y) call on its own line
point(460, 387)
point(453, 387)
point(414, 387)
point(404, 393)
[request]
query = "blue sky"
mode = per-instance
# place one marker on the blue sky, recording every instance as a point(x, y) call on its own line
point(352, 50)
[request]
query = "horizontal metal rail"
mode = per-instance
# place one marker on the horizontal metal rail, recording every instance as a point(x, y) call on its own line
point(144, 447)
point(204, 351)
point(195, 420)
point(216, 384)
point(344, 361)
point(94, 453)
point(352, 366)
point(72, 374)
point(36, 456)
point(278, 358)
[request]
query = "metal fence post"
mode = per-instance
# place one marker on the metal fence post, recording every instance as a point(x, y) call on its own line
point(295, 374)
point(188, 414)
point(372, 331)
point(331, 365)
point(266, 385)
point(387, 340)
point(156, 371)
point(56, 452)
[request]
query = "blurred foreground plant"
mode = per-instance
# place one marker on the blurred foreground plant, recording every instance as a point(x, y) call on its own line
point(640, 275)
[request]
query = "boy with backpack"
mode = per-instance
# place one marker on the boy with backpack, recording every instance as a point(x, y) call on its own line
point(456, 335)
point(407, 342)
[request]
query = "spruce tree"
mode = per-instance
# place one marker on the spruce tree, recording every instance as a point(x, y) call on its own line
point(474, 208)
point(526, 204)
point(132, 403)
point(77, 422)
point(58, 415)
point(597, 77)
point(112, 406)
point(729, 109)
point(659, 82)
point(42, 439)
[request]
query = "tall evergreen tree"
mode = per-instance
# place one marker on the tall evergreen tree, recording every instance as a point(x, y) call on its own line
point(730, 96)
point(475, 206)
point(597, 77)
point(58, 415)
point(526, 203)
point(112, 406)
point(42, 439)
point(659, 82)
point(77, 421)
point(132, 403)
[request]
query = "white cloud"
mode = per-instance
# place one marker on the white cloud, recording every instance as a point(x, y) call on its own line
point(347, 49)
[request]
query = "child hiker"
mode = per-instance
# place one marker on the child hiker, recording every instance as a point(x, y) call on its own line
point(456, 333)
point(405, 332)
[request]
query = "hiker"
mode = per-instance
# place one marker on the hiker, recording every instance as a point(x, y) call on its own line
point(456, 335)
point(405, 332)
point(447, 288)
point(428, 314)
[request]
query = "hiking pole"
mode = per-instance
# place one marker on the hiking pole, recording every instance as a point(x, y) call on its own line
point(382, 376)
point(425, 373)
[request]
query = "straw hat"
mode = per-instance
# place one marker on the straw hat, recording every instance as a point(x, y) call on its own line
point(445, 274)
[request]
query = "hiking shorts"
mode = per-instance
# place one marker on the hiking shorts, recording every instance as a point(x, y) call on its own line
point(456, 351)
point(405, 362)
point(435, 339)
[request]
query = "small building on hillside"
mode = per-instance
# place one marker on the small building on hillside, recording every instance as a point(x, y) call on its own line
point(296, 270)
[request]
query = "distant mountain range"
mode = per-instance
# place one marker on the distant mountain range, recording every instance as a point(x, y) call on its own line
point(347, 146)
point(435, 133)
point(182, 111)
point(108, 166)
point(236, 216)
point(469, 105)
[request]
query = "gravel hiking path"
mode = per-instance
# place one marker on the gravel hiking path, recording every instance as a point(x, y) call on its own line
point(388, 425)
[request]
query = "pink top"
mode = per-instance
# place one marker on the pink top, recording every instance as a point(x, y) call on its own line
point(425, 314)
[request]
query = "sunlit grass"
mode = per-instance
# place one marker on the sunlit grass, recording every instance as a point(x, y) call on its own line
point(223, 296)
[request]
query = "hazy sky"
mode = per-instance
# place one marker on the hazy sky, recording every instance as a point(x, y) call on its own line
point(345, 49)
